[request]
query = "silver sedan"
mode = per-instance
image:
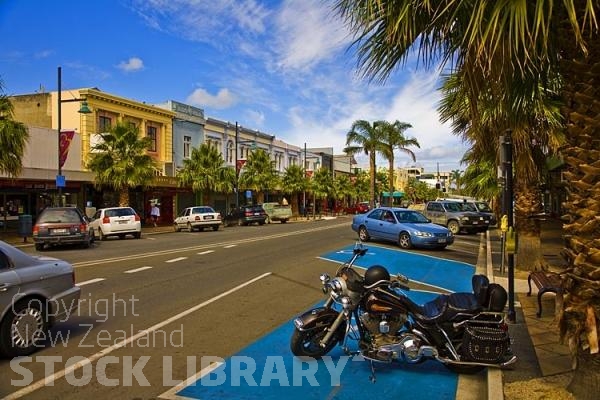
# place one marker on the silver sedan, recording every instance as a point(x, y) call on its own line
point(35, 293)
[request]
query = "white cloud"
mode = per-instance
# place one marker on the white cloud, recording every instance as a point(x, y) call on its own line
point(133, 64)
point(201, 98)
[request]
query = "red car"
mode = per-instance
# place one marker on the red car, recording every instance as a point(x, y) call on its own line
point(358, 208)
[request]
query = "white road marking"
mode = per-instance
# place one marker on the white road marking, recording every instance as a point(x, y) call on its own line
point(205, 252)
point(131, 271)
point(229, 246)
point(176, 259)
point(49, 380)
point(90, 281)
point(171, 394)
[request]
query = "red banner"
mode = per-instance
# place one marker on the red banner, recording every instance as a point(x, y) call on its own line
point(309, 173)
point(240, 164)
point(64, 141)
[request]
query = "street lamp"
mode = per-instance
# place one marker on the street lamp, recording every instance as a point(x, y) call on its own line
point(84, 109)
point(237, 166)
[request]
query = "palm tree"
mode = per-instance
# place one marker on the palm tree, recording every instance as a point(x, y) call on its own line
point(393, 139)
point(516, 45)
point(293, 182)
point(206, 171)
point(13, 137)
point(120, 160)
point(259, 174)
point(456, 177)
point(321, 185)
point(364, 137)
point(342, 189)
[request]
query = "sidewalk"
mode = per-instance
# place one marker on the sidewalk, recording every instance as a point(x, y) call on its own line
point(536, 340)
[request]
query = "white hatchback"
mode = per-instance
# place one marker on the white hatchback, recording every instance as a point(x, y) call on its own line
point(116, 221)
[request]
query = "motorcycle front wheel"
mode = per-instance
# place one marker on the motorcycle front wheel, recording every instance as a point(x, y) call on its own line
point(306, 343)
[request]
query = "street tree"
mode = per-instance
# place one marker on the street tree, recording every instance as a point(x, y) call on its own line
point(294, 182)
point(394, 138)
point(205, 172)
point(14, 136)
point(120, 160)
point(364, 137)
point(259, 174)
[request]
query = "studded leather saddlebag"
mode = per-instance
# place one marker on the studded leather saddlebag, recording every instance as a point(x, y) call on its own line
point(487, 344)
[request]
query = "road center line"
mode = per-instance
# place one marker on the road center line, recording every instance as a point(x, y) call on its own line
point(131, 271)
point(48, 381)
point(90, 281)
point(172, 260)
point(229, 246)
point(205, 252)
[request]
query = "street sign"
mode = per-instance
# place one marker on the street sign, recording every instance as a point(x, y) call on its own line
point(60, 181)
point(248, 194)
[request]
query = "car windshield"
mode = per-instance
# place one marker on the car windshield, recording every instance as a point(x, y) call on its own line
point(468, 207)
point(410, 216)
point(483, 206)
point(455, 207)
point(59, 216)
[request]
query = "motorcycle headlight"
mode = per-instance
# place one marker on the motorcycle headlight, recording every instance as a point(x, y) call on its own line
point(337, 286)
point(346, 302)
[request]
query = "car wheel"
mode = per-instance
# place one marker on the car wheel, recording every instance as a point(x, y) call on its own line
point(176, 228)
point(23, 328)
point(261, 222)
point(189, 227)
point(137, 235)
point(363, 234)
point(453, 227)
point(216, 227)
point(101, 235)
point(404, 241)
point(240, 222)
point(121, 236)
point(39, 246)
point(283, 221)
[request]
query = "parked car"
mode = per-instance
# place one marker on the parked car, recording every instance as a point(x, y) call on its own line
point(451, 215)
point(116, 221)
point(277, 212)
point(481, 207)
point(35, 293)
point(246, 215)
point(407, 228)
point(197, 217)
point(358, 208)
point(62, 225)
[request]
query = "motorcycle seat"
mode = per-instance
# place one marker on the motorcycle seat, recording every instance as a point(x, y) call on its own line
point(447, 307)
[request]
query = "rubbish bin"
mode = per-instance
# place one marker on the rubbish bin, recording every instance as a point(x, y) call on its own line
point(25, 227)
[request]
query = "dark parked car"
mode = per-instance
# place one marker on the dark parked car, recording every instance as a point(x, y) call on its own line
point(358, 208)
point(62, 225)
point(35, 293)
point(246, 215)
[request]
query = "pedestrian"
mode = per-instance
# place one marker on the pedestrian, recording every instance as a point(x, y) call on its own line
point(154, 213)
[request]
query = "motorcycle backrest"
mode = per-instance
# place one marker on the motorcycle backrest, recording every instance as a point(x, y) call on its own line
point(480, 285)
point(497, 297)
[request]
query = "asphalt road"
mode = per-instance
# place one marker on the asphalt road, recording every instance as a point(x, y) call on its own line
point(151, 309)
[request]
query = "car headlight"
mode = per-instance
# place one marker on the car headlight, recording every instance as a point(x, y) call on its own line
point(464, 218)
point(424, 234)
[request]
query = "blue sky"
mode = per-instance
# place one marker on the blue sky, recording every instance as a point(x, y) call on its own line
point(281, 66)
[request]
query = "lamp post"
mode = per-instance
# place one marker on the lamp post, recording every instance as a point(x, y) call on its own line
point(84, 109)
point(237, 171)
point(304, 191)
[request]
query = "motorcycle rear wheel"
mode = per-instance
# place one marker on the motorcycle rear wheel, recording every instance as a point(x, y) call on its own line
point(306, 343)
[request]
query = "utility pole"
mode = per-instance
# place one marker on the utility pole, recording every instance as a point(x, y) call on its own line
point(507, 205)
point(304, 192)
point(237, 171)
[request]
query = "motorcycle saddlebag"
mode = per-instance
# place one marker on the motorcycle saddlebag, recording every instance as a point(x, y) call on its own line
point(485, 343)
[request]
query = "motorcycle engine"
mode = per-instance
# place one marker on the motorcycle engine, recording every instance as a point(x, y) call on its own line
point(383, 327)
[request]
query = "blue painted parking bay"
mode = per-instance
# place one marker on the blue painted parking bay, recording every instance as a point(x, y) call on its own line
point(266, 369)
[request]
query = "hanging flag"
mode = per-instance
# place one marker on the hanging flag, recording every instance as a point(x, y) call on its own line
point(240, 165)
point(64, 142)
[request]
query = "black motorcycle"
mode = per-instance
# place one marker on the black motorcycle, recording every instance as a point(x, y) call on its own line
point(464, 331)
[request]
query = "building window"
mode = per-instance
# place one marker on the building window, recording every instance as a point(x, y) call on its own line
point(151, 133)
point(104, 124)
point(230, 152)
point(187, 144)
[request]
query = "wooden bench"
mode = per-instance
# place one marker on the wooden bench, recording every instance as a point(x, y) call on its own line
point(545, 282)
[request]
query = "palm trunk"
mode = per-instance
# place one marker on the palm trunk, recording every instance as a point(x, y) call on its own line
point(124, 197)
point(372, 172)
point(527, 204)
point(579, 318)
point(391, 179)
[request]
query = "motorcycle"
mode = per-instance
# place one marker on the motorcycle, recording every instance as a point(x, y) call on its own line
point(466, 332)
